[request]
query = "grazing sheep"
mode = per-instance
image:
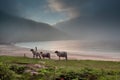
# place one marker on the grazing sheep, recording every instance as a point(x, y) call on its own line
point(61, 54)
point(47, 55)
point(35, 53)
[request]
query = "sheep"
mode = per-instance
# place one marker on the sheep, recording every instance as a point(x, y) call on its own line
point(61, 54)
point(47, 55)
point(35, 53)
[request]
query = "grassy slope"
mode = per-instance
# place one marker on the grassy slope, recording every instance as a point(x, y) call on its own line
point(74, 65)
point(103, 70)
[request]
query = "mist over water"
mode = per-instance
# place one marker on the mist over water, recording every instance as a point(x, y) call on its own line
point(75, 47)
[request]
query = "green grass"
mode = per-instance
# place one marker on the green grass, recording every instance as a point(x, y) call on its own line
point(71, 69)
point(11, 59)
point(70, 64)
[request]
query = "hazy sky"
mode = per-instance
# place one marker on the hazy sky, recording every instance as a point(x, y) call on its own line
point(54, 11)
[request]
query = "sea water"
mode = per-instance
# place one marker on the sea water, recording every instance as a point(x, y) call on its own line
point(75, 47)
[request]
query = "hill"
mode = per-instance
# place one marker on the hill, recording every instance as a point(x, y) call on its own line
point(92, 28)
point(15, 29)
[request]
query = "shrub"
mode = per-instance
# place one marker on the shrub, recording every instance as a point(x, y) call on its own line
point(17, 69)
point(84, 74)
point(5, 73)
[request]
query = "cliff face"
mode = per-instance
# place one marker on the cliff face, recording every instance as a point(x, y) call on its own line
point(16, 29)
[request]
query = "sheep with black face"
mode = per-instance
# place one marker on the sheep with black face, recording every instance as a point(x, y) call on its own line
point(35, 54)
point(45, 55)
point(61, 54)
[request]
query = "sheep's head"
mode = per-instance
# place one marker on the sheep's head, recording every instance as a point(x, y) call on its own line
point(56, 51)
point(31, 49)
point(41, 52)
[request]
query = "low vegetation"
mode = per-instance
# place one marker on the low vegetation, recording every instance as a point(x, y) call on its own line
point(23, 68)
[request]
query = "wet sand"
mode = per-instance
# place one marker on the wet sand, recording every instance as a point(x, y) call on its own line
point(11, 50)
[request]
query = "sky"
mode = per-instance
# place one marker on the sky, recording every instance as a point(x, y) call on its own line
point(54, 11)
point(37, 10)
point(72, 14)
point(88, 7)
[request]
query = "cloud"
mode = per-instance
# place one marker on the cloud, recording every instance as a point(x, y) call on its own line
point(67, 6)
point(86, 7)
point(23, 7)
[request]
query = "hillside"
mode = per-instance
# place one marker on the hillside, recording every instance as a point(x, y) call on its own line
point(16, 29)
point(23, 68)
point(89, 28)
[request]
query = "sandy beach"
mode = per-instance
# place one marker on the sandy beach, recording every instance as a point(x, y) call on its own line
point(11, 50)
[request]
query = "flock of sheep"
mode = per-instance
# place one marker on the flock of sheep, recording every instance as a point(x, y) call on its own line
point(37, 54)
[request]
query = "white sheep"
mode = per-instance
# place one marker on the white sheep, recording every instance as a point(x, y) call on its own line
point(35, 53)
point(61, 54)
point(47, 55)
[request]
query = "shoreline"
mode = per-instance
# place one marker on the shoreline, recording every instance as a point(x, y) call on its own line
point(12, 50)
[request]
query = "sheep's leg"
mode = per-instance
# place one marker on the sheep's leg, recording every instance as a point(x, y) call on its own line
point(39, 56)
point(59, 58)
point(33, 56)
point(49, 57)
point(36, 56)
point(66, 57)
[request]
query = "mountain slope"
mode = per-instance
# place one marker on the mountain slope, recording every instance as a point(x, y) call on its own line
point(92, 28)
point(15, 29)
